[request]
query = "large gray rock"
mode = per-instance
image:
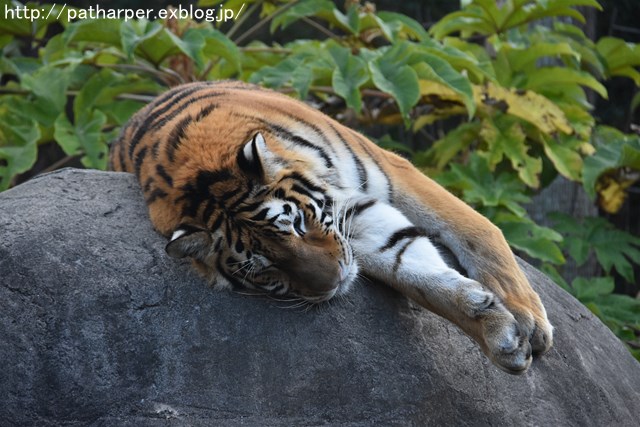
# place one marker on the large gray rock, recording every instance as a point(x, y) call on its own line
point(99, 327)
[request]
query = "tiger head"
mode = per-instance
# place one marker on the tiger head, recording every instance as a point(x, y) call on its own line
point(269, 227)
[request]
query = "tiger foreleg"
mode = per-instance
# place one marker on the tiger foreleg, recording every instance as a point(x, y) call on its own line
point(391, 248)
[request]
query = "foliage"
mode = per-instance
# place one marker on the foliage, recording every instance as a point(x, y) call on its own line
point(504, 99)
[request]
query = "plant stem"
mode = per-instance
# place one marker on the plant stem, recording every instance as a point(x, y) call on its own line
point(263, 21)
point(320, 28)
point(236, 26)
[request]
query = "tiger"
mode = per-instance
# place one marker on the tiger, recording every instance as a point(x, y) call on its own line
point(262, 191)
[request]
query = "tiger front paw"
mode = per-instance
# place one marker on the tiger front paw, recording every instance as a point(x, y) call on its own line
point(508, 332)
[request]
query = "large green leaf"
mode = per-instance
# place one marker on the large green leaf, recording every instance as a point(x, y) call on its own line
point(84, 138)
point(434, 68)
point(391, 74)
point(482, 187)
point(545, 78)
point(467, 22)
point(505, 138)
point(19, 135)
point(534, 240)
point(563, 153)
point(588, 290)
point(529, 55)
point(295, 72)
point(446, 148)
point(614, 249)
point(349, 75)
point(208, 43)
point(302, 9)
point(408, 28)
point(620, 57)
point(49, 84)
point(99, 30)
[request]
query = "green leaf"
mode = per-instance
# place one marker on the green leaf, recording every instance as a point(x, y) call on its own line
point(505, 138)
point(295, 72)
point(391, 74)
point(618, 54)
point(83, 138)
point(49, 85)
point(528, 55)
point(349, 22)
point(483, 188)
point(302, 9)
point(409, 28)
point(467, 22)
point(133, 33)
point(588, 290)
point(563, 153)
point(445, 149)
point(99, 30)
point(434, 68)
point(19, 135)
point(544, 78)
point(534, 240)
point(614, 249)
point(208, 43)
point(103, 89)
point(349, 75)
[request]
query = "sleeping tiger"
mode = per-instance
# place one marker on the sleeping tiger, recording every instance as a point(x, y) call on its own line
point(265, 192)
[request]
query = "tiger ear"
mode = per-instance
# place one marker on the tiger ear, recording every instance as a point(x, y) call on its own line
point(256, 160)
point(189, 241)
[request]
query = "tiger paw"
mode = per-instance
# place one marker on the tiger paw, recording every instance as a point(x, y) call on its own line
point(513, 333)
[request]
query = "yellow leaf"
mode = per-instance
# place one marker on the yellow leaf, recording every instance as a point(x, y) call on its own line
point(527, 105)
point(611, 193)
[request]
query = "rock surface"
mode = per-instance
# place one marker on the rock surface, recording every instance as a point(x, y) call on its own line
point(99, 327)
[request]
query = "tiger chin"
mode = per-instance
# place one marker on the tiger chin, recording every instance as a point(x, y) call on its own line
point(264, 192)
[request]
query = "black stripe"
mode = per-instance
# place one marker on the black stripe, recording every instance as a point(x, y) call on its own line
point(156, 194)
point(177, 133)
point(154, 149)
point(163, 173)
point(208, 210)
point(138, 162)
point(303, 121)
point(243, 197)
point(260, 216)
point(217, 223)
point(205, 111)
point(300, 190)
point(363, 145)
point(239, 246)
point(362, 171)
point(178, 110)
point(303, 180)
point(147, 185)
point(173, 95)
point(360, 207)
point(399, 254)
point(404, 233)
point(121, 155)
point(280, 131)
point(196, 193)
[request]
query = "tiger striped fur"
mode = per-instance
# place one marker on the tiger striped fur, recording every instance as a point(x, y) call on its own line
point(265, 192)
